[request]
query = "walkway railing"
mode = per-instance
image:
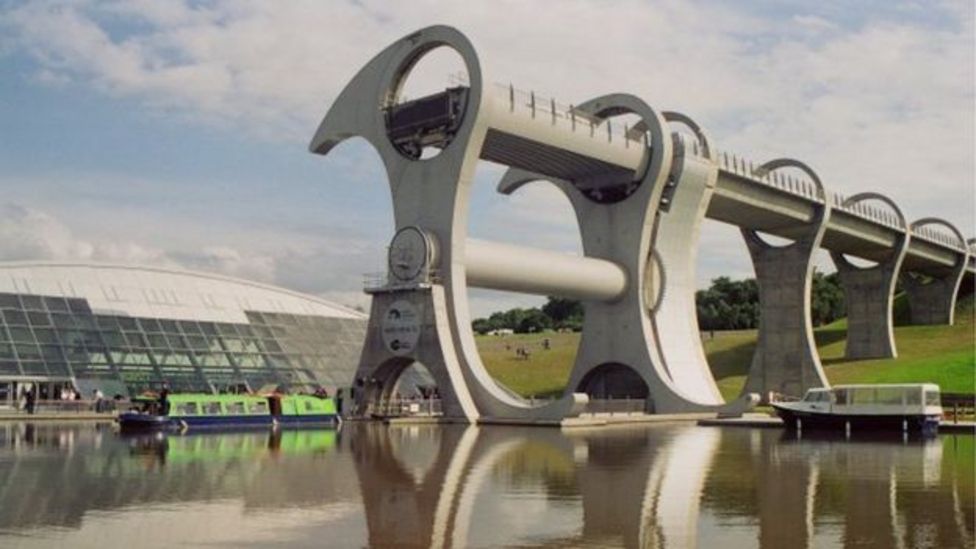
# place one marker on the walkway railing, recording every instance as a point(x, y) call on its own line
point(68, 406)
point(616, 406)
point(556, 113)
point(406, 407)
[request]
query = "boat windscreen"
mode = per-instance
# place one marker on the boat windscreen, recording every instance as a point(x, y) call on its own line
point(817, 396)
point(932, 398)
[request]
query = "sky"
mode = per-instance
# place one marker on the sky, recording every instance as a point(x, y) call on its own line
point(175, 133)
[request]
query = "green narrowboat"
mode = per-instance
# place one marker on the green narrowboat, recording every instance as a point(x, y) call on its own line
point(201, 410)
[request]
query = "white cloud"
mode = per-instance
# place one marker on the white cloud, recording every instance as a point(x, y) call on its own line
point(308, 262)
point(882, 102)
point(230, 261)
point(30, 234)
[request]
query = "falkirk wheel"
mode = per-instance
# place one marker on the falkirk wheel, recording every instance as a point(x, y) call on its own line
point(639, 194)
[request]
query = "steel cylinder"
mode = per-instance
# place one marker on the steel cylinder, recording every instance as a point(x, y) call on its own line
point(508, 267)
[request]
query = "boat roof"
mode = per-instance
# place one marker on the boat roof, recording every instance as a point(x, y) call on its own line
point(196, 397)
point(223, 397)
point(926, 386)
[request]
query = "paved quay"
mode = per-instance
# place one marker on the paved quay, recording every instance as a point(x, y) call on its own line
point(56, 416)
point(582, 421)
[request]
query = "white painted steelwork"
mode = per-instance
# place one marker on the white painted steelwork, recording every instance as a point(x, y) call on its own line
point(519, 269)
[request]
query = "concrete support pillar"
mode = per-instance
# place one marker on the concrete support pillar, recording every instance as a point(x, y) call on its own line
point(869, 294)
point(932, 296)
point(786, 359)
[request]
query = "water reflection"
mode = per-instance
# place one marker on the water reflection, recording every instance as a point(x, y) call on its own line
point(453, 486)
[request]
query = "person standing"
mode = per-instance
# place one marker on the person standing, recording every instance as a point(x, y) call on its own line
point(98, 400)
point(164, 401)
point(31, 401)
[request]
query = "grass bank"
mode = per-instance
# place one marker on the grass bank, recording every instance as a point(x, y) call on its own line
point(941, 354)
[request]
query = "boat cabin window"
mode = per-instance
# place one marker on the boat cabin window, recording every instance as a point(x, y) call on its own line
point(889, 396)
point(932, 398)
point(863, 395)
point(211, 408)
point(187, 409)
point(258, 407)
point(840, 396)
point(817, 396)
point(913, 396)
point(235, 408)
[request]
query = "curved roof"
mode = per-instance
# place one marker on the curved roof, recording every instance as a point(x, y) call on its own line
point(161, 292)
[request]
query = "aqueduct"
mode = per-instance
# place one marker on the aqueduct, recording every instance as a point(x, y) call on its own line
point(640, 193)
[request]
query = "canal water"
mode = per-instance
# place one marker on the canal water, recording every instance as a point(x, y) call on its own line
point(83, 485)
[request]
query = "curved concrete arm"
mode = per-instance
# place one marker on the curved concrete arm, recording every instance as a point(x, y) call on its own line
point(358, 110)
point(515, 178)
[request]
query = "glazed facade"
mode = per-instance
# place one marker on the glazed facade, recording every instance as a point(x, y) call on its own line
point(125, 330)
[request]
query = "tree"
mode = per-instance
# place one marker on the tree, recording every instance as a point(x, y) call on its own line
point(725, 305)
point(534, 320)
point(562, 309)
point(826, 299)
point(482, 326)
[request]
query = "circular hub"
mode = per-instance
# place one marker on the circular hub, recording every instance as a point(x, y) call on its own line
point(411, 254)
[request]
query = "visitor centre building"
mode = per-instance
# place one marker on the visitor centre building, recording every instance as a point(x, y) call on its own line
point(125, 329)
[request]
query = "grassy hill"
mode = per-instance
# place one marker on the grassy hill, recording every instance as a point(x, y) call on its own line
point(941, 354)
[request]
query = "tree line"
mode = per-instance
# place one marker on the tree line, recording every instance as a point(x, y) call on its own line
point(725, 305)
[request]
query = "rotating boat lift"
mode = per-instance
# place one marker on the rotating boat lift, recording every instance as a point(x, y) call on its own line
point(639, 194)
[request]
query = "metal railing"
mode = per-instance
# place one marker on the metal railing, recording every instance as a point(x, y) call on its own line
point(382, 280)
point(957, 405)
point(616, 406)
point(406, 407)
point(54, 406)
point(575, 120)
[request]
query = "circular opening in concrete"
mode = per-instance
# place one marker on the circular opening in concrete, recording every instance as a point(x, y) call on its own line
point(426, 107)
point(527, 343)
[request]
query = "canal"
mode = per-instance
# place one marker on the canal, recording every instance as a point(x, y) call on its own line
point(83, 485)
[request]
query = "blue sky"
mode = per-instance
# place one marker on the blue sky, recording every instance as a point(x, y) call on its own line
point(175, 133)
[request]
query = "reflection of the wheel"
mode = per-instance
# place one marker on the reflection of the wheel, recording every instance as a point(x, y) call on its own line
point(634, 486)
point(663, 486)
